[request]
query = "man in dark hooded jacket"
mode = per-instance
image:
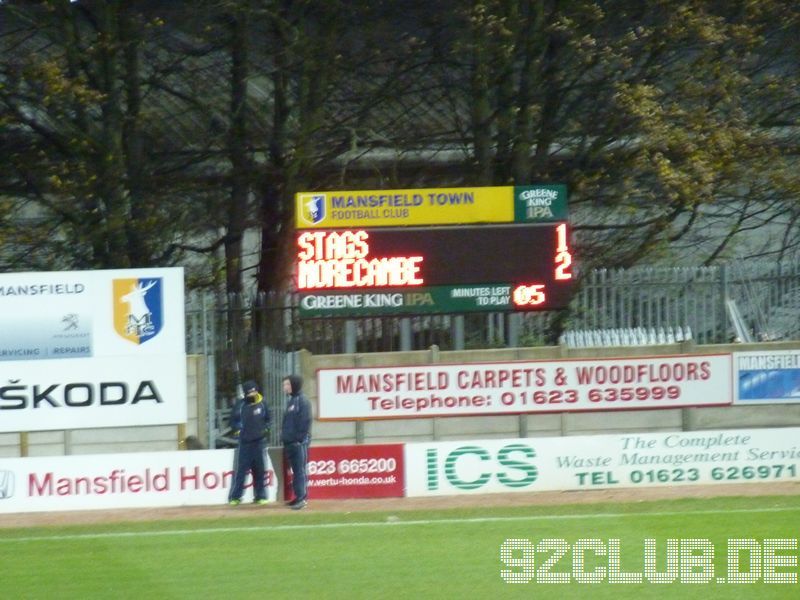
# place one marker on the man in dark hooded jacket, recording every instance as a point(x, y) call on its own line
point(250, 421)
point(296, 435)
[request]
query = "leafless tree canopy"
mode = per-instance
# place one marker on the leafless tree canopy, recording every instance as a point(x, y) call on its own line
point(161, 133)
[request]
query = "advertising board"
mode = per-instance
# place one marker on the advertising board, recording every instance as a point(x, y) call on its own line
point(515, 387)
point(431, 206)
point(635, 460)
point(86, 349)
point(106, 481)
point(767, 377)
point(362, 471)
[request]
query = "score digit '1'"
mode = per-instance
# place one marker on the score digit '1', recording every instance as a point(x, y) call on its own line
point(563, 258)
point(534, 295)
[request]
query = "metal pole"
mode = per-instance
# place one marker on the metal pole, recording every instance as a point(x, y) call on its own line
point(350, 337)
point(458, 332)
point(405, 334)
point(514, 328)
point(722, 318)
point(211, 377)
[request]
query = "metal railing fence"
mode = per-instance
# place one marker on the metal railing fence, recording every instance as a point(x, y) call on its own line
point(237, 330)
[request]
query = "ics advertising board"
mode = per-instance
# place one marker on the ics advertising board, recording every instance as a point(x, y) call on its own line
point(636, 460)
point(652, 382)
point(89, 349)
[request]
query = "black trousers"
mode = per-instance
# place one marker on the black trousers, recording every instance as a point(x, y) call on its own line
point(250, 457)
point(297, 455)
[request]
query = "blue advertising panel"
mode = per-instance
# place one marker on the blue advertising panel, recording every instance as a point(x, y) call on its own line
point(767, 377)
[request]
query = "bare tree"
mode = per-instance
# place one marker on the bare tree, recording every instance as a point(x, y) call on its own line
point(94, 179)
point(139, 133)
point(673, 123)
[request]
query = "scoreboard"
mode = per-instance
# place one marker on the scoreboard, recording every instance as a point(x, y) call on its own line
point(373, 271)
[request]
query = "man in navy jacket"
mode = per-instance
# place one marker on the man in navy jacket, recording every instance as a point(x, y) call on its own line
point(250, 421)
point(296, 435)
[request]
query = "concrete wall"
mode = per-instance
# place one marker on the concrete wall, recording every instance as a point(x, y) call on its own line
point(539, 425)
point(172, 437)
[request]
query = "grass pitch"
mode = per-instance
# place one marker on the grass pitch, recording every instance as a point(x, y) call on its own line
point(447, 553)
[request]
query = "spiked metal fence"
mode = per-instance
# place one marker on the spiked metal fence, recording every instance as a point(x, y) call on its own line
point(745, 301)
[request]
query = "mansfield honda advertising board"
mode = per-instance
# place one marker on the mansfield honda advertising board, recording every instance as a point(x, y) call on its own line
point(106, 481)
point(361, 471)
point(86, 349)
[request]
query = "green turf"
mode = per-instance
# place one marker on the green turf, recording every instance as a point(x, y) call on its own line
point(447, 553)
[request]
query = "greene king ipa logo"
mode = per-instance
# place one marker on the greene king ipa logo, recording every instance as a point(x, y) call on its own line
point(138, 308)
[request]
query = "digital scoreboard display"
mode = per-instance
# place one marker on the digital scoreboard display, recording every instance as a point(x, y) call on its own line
point(434, 269)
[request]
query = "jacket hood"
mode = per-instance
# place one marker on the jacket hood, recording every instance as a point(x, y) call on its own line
point(296, 382)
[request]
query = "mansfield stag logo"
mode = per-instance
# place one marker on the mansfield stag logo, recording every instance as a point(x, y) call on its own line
point(138, 308)
point(312, 208)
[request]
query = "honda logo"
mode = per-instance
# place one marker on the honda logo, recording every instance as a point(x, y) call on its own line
point(6, 484)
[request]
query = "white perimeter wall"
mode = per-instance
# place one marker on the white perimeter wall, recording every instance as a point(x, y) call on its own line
point(116, 440)
point(172, 437)
point(539, 425)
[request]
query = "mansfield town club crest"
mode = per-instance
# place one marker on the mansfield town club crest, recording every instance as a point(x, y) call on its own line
point(312, 208)
point(138, 308)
